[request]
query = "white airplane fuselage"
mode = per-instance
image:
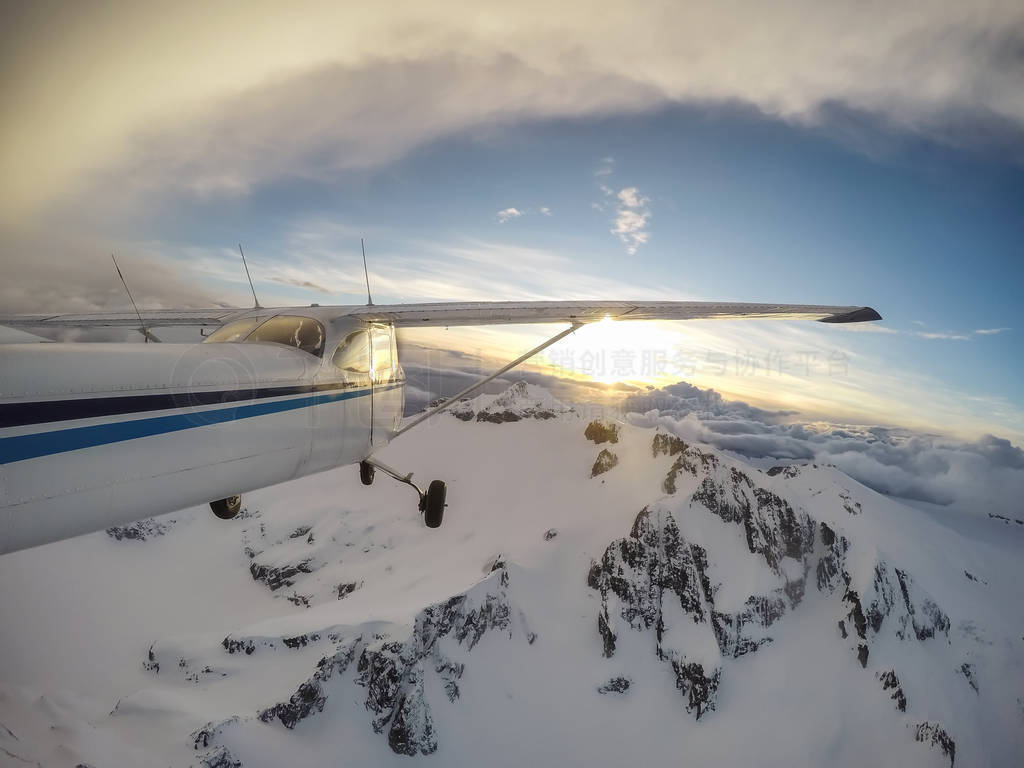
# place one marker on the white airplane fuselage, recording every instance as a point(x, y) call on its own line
point(95, 435)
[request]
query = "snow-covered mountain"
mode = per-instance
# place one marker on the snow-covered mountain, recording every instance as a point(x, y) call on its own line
point(600, 594)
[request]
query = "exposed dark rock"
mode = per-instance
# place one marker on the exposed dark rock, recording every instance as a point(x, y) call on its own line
point(300, 641)
point(280, 576)
point(246, 645)
point(691, 460)
point(217, 756)
point(697, 687)
point(615, 685)
point(936, 736)
point(515, 404)
point(607, 636)
point(221, 757)
point(600, 432)
point(1005, 519)
point(892, 683)
point(788, 471)
point(412, 727)
point(151, 664)
point(967, 670)
point(346, 589)
point(641, 573)
point(851, 506)
point(925, 618)
point(655, 569)
point(605, 461)
point(310, 695)
point(302, 530)
point(393, 672)
point(140, 530)
point(667, 445)
point(501, 417)
point(550, 533)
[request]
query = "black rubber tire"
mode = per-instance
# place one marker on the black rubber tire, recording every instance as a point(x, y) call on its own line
point(227, 508)
point(366, 473)
point(433, 508)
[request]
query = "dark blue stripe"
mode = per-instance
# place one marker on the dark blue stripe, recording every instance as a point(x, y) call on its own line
point(22, 447)
point(22, 414)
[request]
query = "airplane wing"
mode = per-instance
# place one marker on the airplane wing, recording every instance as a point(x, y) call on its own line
point(470, 313)
point(512, 312)
point(151, 318)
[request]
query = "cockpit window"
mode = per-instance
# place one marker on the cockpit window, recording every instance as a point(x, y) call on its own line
point(302, 332)
point(235, 331)
point(353, 354)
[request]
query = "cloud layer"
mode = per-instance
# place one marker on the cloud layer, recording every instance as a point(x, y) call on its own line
point(215, 104)
point(976, 477)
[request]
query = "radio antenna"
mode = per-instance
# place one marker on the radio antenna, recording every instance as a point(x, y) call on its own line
point(366, 272)
point(142, 326)
point(255, 300)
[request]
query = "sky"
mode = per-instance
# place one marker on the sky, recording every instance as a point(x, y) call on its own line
point(846, 153)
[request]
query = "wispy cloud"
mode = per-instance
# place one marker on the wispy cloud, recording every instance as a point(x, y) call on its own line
point(945, 336)
point(302, 284)
point(991, 331)
point(631, 219)
point(605, 167)
point(931, 335)
point(506, 215)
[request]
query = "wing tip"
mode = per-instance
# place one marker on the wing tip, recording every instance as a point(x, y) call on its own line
point(862, 315)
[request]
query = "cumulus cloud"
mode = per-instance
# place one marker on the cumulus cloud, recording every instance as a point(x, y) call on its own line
point(631, 218)
point(975, 477)
point(507, 214)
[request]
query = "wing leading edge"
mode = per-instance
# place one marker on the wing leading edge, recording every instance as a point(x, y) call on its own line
point(466, 313)
point(152, 318)
point(517, 312)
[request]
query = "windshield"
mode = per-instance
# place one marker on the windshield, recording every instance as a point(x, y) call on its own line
point(303, 332)
point(235, 331)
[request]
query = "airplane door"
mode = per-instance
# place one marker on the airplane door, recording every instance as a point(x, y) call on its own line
point(387, 400)
point(342, 421)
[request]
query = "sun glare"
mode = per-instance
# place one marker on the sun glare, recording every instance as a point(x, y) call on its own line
point(611, 352)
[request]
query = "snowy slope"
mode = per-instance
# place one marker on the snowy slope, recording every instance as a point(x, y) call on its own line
point(602, 601)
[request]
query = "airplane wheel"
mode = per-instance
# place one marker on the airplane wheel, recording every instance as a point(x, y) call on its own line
point(434, 503)
point(366, 473)
point(227, 508)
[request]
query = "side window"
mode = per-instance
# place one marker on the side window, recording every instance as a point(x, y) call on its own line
point(353, 354)
point(382, 363)
point(303, 332)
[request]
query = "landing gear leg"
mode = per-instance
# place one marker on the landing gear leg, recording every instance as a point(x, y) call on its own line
point(432, 502)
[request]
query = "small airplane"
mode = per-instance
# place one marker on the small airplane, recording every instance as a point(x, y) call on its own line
point(98, 434)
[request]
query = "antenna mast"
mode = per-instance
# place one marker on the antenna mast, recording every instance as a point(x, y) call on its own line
point(255, 300)
point(366, 272)
point(142, 326)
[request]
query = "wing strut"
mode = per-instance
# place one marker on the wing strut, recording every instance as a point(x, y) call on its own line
point(458, 396)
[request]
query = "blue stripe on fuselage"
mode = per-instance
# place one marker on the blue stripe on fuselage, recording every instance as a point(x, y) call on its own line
point(22, 447)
